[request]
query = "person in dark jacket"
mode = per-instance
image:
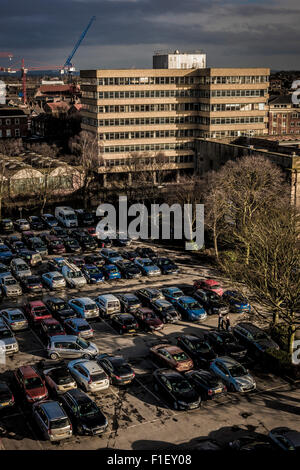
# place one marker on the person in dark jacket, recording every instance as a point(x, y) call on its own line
point(227, 323)
point(220, 322)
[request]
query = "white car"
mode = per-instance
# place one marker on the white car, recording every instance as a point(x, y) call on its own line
point(9, 286)
point(84, 307)
point(73, 275)
point(54, 280)
point(89, 375)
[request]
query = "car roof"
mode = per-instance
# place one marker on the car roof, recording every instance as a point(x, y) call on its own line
point(249, 326)
point(78, 321)
point(12, 310)
point(36, 303)
point(172, 289)
point(66, 338)
point(168, 372)
point(162, 302)
point(187, 298)
point(91, 366)
point(50, 321)
point(145, 310)
point(108, 297)
point(78, 395)
point(53, 409)
point(228, 361)
point(84, 300)
point(193, 337)
point(28, 371)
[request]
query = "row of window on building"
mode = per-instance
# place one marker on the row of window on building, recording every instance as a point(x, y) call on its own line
point(230, 133)
point(148, 161)
point(148, 147)
point(181, 133)
point(141, 121)
point(185, 80)
point(142, 108)
point(10, 133)
point(9, 122)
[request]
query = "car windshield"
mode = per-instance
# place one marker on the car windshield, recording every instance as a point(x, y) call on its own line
point(59, 423)
point(83, 327)
point(98, 376)
point(150, 315)
point(5, 334)
point(93, 271)
point(59, 306)
point(192, 305)
point(237, 371)
point(33, 280)
point(33, 382)
point(3, 249)
point(148, 263)
point(88, 409)
point(181, 386)
point(10, 282)
point(261, 335)
point(132, 301)
point(82, 343)
point(169, 309)
point(16, 316)
point(128, 321)
point(176, 294)
point(180, 356)
point(165, 262)
point(22, 267)
point(200, 346)
point(54, 327)
point(39, 310)
point(90, 306)
point(70, 217)
point(57, 278)
point(112, 269)
point(75, 274)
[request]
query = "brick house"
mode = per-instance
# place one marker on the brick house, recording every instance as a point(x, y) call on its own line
point(13, 122)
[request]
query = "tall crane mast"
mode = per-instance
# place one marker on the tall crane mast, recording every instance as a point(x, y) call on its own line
point(68, 65)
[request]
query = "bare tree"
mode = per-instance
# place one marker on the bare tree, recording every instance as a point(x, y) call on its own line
point(89, 158)
point(11, 147)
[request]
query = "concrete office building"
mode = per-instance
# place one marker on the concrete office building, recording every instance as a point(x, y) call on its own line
point(164, 110)
point(179, 60)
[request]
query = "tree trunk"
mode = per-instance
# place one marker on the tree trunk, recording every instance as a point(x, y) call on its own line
point(216, 242)
point(275, 317)
point(292, 331)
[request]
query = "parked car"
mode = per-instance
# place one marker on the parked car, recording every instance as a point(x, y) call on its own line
point(26, 235)
point(166, 266)
point(147, 319)
point(8, 340)
point(117, 368)
point(86, 241)
point(110, 256)
point(9, 286)
point(190, 309)
point(59, 309)
point(146, 252)
point(129, 302)
point(108, 305)
point(225, 344)
point(31, 284)
point(147, 267)
point(85, 415)
point(49, 220)
point(111, 271)
point(84, 217)
point(128, 269)
point(122, 240)
point(57, 263)
point(165, 311)
point(148, 295)
point(256, 340)
point(249, 442)
point(172, 294)
point(30, 384)
point(36, 244)
point(55, 245)
point(57, 377)
point(95, 260)
point(21, 225)
point(78, 327)
point(73, 276)
point(209, 284)
point(6, 226)
point(36, 311)
point(198, 349)
point(17, 246)
point(89, 375)
point(4, 270)
point(172, 357)
point(19, 268)
point(78, 261)
point(237, 302)
point(32, 258)
point(59, 232)
point(70, 346)
point(84, 307)
point(130, 255)
point(35, 223)
point(212, 302)
point(66, 216)
point(92, 274)
point(285, 438)
point(233, 374)
point(54, 280)
point(52, 420)
point(7, 400)
point(6, 254)
point(176, 389)
point(14, 318)
point(72, 245)
point(51, 327)
point(124, 323)
point(208, 385)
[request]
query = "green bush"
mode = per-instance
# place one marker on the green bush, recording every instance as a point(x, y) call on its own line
point(229, 255)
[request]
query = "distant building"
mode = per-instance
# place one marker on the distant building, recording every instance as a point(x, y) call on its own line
point(284, 116)
point(179, 60)
point(13, 122)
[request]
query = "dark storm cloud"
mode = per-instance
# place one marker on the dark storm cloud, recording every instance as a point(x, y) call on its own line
point(232, 31)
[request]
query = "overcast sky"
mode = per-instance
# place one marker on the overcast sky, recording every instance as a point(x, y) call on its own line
point(126, 32)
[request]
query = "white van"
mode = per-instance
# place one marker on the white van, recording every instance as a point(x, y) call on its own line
point(108, 304)
point(66, 216)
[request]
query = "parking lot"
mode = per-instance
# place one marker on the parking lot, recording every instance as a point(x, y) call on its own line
point(139, 418)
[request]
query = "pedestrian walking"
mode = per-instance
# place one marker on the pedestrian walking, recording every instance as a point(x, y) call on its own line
point(227, 323)
point(220, 322)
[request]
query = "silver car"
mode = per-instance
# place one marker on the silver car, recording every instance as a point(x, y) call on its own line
point(14, 318)
point(9, 286)
point(233, 374)
point(70, 347)
point(19, 268)
point(89, 375)
point(54, 280)
point(8, 343)
point(52, 420)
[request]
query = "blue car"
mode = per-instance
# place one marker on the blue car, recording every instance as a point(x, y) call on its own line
point(5, 253)
point(111, 272)
point(57, 263)
point(190, 309)
point(238, 303)
point(110, 256)
point(147, 267)
point(79, 327)
point(92, 274)
point(167, 266)
point(172, 294)
point(49, 220)
point(4, 270)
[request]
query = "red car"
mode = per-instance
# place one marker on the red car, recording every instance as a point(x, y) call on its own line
point(36, 311)
point(209, 284)
point(172, 357)
point(147, 319)
point(51, 327)
point(54, 244)
point(30, 384)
